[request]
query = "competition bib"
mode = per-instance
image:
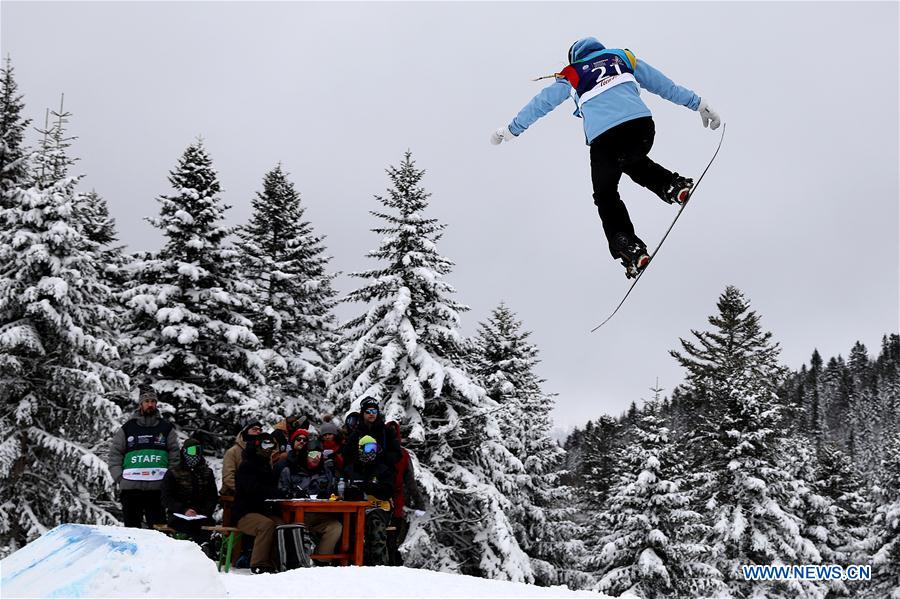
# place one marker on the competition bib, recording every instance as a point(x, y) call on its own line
point(145, 464)
point(594, 76)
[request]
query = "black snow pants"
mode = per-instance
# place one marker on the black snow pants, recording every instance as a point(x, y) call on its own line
point(136, 504)
point(624, 149)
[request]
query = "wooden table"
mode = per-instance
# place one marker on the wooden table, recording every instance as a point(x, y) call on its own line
point(293, 511)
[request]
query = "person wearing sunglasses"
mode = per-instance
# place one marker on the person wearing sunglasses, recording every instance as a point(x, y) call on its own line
point(308, 474)
point(252, 513)
point(371, 423)
point(233, 456)
point(189, 494)
point(370, 477)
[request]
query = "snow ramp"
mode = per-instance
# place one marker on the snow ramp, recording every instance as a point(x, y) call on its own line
point(75, 560)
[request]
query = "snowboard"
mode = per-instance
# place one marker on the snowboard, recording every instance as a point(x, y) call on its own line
point(669, 230)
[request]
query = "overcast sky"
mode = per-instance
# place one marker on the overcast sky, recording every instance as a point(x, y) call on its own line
point(800, 210)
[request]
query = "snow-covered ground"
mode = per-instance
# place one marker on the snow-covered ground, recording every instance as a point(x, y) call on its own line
point(74, 560)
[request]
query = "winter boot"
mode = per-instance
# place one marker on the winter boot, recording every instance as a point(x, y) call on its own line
point(633, 253)
point(679, 190)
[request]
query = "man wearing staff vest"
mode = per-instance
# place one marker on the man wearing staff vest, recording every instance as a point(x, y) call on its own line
point(140, 453)
point(618, 127)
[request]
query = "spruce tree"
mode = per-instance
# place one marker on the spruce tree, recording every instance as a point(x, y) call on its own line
point(504, 362)
point(738, 443)
point(285, 262)
point(407, 352)
point(56, 385)
point(884, 542)
point(13, 168)
point(188, 334)
point(52, 160)
point(651, 547)
point(600, 451)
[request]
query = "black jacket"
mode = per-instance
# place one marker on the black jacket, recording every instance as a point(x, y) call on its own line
point(376, 478)
point(254, 483)
point(183, 488)
point(387, 441)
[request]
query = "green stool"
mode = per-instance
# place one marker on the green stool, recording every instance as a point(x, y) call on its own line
point(231, 537)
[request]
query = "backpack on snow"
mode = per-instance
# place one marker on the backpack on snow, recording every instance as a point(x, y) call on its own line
point(295, 545)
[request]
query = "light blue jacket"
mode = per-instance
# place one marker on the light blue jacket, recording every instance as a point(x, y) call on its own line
point(619, 103)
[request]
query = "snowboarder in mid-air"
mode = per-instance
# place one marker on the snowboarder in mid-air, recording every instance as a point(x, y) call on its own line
point(619, 129)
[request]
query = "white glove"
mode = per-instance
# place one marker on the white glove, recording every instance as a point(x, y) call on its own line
point(502, 134)
point(710, 117)
point(420, 513)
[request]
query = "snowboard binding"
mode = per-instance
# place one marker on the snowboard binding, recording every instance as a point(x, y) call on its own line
point(679, 190)
point(633, 253)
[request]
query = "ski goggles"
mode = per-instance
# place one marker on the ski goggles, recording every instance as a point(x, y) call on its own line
point(371, 411)
point(369, 448)
point(314, 455)
point(193, 450)
point(267, 445)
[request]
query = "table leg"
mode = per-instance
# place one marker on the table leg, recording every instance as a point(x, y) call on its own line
point(360, 536)
point(345, 537)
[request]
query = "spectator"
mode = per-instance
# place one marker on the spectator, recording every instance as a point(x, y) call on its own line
point(406, 491)
point(371, 477)
point(351, 422)
point(299, 440)
point(255, 484)
point(308, 474)
point(282, 434)
point(233, 456)
point(371, 423)
point(189, 491)
point(331, 444)
point(140, 453)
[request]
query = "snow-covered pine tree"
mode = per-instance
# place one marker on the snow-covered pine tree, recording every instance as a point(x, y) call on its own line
point(55, 348)
point(13, 171)
point(599, 461)
point(542, 510)
point(188, 333)
point(652, 544)
point(884, 542)
point(285, 262)
point(738, 443)
point(840, 482)
point(52, 160)
point(406, 351)
point(831, 507)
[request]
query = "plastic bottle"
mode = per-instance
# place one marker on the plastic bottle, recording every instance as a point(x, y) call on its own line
point(340, 488)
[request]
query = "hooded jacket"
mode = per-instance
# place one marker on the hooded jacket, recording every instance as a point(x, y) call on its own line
point(118, 448)
point(231, 461)
point(605, 85)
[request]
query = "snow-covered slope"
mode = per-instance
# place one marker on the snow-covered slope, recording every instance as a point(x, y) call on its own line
point(74, 560)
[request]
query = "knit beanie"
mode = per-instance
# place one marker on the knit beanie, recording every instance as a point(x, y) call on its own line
point(145, 392)
point(328, 428)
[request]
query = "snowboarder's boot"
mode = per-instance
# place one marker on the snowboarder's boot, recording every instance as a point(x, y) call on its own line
point(633, 253)
point(679, 190)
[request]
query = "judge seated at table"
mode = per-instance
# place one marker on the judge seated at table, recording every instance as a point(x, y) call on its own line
point(189, 494)
point(370, 477)
point(307, 475)
point(255, 483)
